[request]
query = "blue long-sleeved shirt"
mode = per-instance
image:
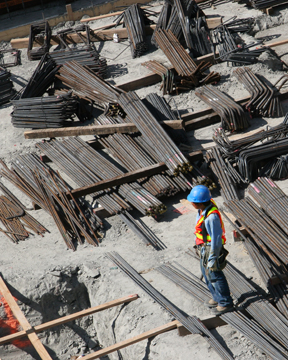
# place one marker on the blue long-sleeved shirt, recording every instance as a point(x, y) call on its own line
point(214, 229)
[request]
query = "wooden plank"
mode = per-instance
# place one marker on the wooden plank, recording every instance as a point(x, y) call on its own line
point(143, 81)
point(71, 317)
point(213, 21)
point(210, 323)
point(135, 339)
point(119, 180)
point(73, 38)
point(69, 12)
point(94, 130)
point(32, 336)
point(275, 280)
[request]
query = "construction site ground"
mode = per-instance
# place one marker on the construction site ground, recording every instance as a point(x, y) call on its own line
point(50, 281)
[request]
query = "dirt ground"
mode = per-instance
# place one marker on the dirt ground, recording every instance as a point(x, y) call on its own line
point(51, 281)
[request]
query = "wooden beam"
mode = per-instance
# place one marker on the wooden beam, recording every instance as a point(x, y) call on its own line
point(69, 12)
point(135, 339)
point(73, 38)
point(119, 180)
point(275, 280)
point(210, 323)
point(93, 130)
point(68, 318)
point(32, 336)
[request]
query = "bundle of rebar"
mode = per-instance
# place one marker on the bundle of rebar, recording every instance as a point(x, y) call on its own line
point(235, 25)
point(167, 75)
point(249, 161)
point(232, 148)
point(233, 117)
point(42, 78)
point(87, 85)
point(200, 37)
point(272, 200)
point(183, 63)
point(265, 4)
point(65, 210)
point(134, 22)
point(90, 167)
point(218, 166)
point(41, 29)
point(264, 98)
point(6, 86)
point(86, 56)
point(263, 230)
point(191, 323)
point(16, 220)
point(45, 112)
point(78, 30)
point(153, 133)
point(230, 51)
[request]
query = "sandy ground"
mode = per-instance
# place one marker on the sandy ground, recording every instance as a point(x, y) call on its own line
point(50, 281)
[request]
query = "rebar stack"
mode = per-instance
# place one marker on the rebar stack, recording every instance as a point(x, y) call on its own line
point(219, 168)
point(233, 117)
point(43, 29)
point(263, 230)
point(48, 193)
point(191, 323)
point(167, 75)
point(153, 133)
point(228, 50)
point(272, 200)
point(87, 85)
point(134, 22)
point(90, 167)
point(86, 56)
point(265, 4)
point(45, 112)
point(42, 78)
point(6, 86)
point(264, 98)
point(183, 63)
point(232, 148)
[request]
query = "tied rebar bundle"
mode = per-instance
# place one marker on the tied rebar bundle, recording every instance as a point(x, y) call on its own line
point(184, 65)
point(272, 199)
point(87, 85)
point(230, 50)
point(232, 148)
point(41, 29)
point(264, 231)
point(153, 133)
point(42, 78)
point(6, 86)
point(167, 75)
point(265, 4)
point(85, 56)
point(233, 117)
point(134, 22)
point(264, 98)
point(45, 112)
point(15, 218)
point(191, 323)
point(87, 166)
point(219, 168)
point(200, 37)
point(49, 191)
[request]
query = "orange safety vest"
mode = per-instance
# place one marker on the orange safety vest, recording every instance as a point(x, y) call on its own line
point(200, 223)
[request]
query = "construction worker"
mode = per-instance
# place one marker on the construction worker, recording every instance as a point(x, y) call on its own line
point(210, 238)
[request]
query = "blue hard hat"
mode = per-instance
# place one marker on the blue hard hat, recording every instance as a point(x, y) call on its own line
point(199, 194)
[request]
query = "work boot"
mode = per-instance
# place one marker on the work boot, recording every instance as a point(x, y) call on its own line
point(219, 310)
point(210, 303)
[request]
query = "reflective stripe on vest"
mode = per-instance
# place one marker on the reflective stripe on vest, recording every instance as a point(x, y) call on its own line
point(198, 228)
